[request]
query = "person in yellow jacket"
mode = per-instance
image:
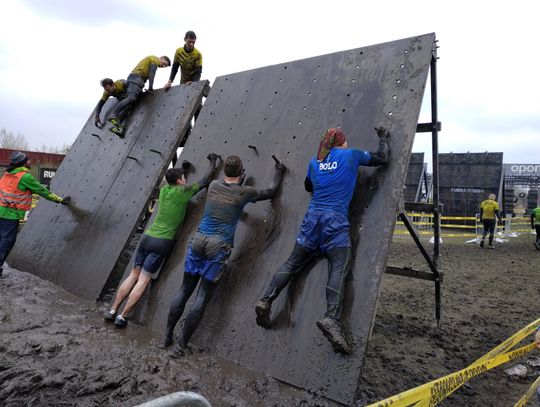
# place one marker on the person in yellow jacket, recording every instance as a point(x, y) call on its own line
point(489, 209)
point(144, 71)
point(189, 60)
point(16, 188)
point(117, 89)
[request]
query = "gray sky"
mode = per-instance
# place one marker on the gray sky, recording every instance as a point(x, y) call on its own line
point(53, 54)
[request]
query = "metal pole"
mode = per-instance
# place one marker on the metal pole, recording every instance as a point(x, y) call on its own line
point(416, 239)
point(435, 182)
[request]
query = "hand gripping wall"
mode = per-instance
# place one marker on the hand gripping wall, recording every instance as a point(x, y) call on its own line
point(283, 110)
point(110, 181)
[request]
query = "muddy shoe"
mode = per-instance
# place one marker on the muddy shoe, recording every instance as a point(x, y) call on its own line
point(180, 351)
point(481, 244)
point(332, 331)
point(491, 246)
point(119, 131)
point(262, 309)
point(165, 343)
point(109, 316)
point(120, 321)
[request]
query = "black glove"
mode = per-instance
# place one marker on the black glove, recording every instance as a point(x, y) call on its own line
point(186, 165)
point(66, 200)
point(280, 167)
point(212, 156)
point(383, 133)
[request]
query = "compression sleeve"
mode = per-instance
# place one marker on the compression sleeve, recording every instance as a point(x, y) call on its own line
point(174, 70)
point(270, 192)
point(152, 74)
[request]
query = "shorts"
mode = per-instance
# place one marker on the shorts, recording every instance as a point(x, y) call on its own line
point(324, 231)
point(489, 225)
point(207, 257)
point(151, 253)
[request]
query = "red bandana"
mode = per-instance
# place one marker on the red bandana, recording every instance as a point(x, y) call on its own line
point(331, 138)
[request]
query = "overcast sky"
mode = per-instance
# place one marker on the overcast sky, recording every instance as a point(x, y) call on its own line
point(53, 54)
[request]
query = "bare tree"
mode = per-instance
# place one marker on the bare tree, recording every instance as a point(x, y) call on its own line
point(14, 142)
point(55, 150)
point(18, 142)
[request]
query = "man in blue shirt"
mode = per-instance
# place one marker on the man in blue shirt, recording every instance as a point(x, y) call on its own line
point(211, 246)
point(331, 178)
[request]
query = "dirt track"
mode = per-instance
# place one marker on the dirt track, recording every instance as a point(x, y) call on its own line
point(56, 350)
point(488, 295)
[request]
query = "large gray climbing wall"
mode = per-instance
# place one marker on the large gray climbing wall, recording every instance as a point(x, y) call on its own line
point(466, 179)
point(283, 110)
point(110, 180)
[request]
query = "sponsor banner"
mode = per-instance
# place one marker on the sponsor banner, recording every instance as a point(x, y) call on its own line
point(45, 175)
point(522, 169)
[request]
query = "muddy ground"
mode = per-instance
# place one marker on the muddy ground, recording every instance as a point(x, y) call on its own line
point(56, 350)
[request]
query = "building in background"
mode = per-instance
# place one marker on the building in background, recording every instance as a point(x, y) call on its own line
point(44, 165)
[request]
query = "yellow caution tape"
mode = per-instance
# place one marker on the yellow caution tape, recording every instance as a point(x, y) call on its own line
point(458, 234)
point(458, 217)
point(512, 341)
point(405, 232)
point(457, 226)
point(431, 393)
point(430, 215)
point(522, 402)
point(444, 225)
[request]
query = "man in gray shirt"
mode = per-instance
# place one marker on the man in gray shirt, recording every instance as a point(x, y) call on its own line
point(211, 246)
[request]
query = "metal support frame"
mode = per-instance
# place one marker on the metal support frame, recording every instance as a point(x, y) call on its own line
point(434, 261)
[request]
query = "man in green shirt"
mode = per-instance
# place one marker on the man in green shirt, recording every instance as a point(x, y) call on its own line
point(157, 242)
point(535, 224)
point(16, 188)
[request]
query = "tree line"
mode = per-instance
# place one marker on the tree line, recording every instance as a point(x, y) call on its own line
point(13, 141)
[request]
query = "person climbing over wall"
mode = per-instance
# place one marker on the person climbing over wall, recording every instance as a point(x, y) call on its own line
point(331, 178)
point(489, 209)
point(144, 71)
point(117, 89)
point(16, 188)
point(189, 60)
point(157, 242)
point(211, 246)
point(535, 225)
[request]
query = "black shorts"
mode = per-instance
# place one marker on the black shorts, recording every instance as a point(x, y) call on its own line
point(489, 225)
point(151, 253)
